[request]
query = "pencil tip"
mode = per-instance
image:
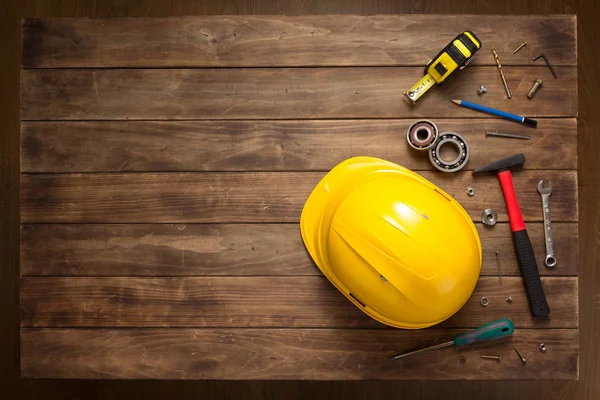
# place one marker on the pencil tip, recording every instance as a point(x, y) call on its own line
point(456, 101)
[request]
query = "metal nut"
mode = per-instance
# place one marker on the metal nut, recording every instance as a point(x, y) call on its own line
point(471, 191)
point(484, 301)
point(542, 347)
point(489, 217)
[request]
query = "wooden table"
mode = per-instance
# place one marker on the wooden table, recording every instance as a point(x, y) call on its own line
point(165, 163)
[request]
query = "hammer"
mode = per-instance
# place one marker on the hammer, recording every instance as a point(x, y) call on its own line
point(529, 269)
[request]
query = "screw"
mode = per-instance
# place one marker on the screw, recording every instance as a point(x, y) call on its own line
point(506, 135)
point(523, 359)
point(463, 360)
point(497, 358)
point(520, 47)
point(536, 85)
point(481, 90)
point(509, 299)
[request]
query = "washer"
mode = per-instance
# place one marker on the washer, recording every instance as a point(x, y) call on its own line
point(484, 302)
point(460, 145)
point(489, 217)
point(422, 134)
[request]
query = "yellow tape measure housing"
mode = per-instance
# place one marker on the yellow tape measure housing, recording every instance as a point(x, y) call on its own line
point(456, 55)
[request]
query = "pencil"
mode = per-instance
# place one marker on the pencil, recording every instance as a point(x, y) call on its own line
point(498, 113)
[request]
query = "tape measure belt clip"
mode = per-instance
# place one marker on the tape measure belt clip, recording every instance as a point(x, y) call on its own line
point(469, 43)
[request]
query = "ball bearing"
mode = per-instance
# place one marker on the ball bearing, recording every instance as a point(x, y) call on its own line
point(422, 135)
point(457, 143)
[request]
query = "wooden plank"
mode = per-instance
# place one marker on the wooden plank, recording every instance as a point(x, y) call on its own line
point(315, 354)
point(221, 250)
point(250, 197)
point(281, 93)
point(316, 145)
point(287, 41)
point(302, 301)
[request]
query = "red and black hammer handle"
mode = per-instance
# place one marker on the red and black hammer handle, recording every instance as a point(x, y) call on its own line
point(529, 269)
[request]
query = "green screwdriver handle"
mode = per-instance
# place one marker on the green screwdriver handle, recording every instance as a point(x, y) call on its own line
point(498, 329)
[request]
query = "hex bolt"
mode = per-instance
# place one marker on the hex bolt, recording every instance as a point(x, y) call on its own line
point(536, 85)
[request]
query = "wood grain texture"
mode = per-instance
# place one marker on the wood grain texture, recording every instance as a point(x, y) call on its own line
point(282, 93)
point(229, 250)
point(311, 40)
point(277, 302)
point(250, 197)
point(316, 145)
point(316, 354)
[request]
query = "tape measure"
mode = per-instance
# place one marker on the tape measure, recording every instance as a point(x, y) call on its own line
point(457, 55)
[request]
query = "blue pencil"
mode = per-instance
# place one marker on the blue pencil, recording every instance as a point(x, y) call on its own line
point(493, 111)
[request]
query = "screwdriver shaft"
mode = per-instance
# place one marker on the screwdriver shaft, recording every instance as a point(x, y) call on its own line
point(437, 346)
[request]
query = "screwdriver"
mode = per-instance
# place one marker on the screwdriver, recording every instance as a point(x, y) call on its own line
point(498, 329)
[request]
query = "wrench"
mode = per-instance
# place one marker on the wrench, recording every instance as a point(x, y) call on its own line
point(545, 192)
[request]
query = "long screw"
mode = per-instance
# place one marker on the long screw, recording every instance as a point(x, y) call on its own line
point(507, 135)
point(520, 47)
point(497, 358)
point(523, 359)
point(501, 73)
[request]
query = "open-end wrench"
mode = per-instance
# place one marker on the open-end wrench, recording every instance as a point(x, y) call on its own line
point(545, 191)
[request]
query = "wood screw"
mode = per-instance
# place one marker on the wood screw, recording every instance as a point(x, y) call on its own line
point(523, 359)
point(520, 47)
point(497, 358)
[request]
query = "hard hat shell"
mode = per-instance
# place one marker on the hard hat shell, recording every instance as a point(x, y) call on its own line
point(396, 245)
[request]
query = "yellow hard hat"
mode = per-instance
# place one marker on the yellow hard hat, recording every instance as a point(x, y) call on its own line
point(396, 245)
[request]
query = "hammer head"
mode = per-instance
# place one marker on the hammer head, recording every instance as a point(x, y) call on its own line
point(503, 165)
